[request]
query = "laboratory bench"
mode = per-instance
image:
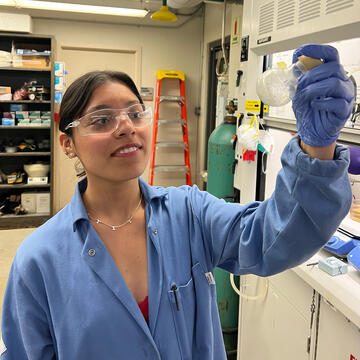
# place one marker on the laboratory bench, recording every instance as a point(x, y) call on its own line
point(306, 314)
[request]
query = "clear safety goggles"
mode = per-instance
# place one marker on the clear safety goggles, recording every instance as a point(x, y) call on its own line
point(106, 121)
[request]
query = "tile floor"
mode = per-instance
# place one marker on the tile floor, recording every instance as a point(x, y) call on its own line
point(9, 242)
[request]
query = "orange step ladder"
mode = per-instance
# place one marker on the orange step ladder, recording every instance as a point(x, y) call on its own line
point(162, 75)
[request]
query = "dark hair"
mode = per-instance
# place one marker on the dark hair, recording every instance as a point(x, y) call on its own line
point(78, 94)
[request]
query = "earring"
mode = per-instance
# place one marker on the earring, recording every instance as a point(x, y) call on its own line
point(70, 156)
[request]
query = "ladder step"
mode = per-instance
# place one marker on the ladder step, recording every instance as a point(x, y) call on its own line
point(178, 99)
point(171, 144)
point(171, 168)
point(161, 74)
point(172, 121)
point(179, 143)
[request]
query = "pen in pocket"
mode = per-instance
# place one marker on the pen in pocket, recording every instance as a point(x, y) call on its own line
point(174, 289)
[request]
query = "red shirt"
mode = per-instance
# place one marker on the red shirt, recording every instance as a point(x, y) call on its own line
point(144, 307)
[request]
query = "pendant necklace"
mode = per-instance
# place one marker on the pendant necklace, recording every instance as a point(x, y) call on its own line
point(115, 227)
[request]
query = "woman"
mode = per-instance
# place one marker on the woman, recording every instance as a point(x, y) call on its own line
point(77, 281)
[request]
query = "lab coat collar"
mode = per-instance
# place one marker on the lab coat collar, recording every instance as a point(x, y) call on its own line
point(78, 210)
point(77, 207)
point(151, 192)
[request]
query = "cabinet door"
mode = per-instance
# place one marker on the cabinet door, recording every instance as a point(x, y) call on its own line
point(277, 326)
point(339, 338)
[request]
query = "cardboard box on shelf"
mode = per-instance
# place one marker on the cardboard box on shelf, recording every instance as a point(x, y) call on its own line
point(32, 61)
point(43, 203)
point(5, 90)
point(28, 201)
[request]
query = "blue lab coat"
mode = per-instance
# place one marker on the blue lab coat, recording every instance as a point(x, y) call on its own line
point(66, 299)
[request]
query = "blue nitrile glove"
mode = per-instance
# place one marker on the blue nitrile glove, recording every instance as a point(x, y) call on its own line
point(324, 97)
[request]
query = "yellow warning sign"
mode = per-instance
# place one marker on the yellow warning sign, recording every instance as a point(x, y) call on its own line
point(254, 105)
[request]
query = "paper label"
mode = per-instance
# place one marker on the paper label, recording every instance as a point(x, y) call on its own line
point(235, 31)
point(210, 278)
point(2, 346)
point(252, 105)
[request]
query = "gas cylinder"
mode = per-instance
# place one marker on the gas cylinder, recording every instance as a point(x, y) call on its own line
point(221, 157)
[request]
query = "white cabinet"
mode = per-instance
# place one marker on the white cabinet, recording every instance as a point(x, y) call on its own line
point(283, 326)
point(278, 326)
point(339, 338)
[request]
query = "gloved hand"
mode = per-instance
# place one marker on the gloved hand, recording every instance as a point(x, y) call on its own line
point(324, 97)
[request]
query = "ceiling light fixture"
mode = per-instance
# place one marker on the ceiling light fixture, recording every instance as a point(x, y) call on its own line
point(164, 14)
point(77, 8)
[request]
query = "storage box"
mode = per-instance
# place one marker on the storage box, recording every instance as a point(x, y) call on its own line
point(32, 61)
point(18, 107)
point(6, 97)
point(43, 203)
point(59, 68)
point(37, 180)
point(23, 122)
point(28, 201)
point(5, 90)
point(8, 122)
point(22, 114)
point(15, 22)
point(59, 83)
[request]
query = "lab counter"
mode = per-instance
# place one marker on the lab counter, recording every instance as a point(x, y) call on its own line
point(342, 291)
point(306, 313)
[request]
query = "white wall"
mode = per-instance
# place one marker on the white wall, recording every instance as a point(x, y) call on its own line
point(161, 48)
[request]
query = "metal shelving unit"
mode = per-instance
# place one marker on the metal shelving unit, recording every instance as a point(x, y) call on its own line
point(23, 186)
point(23, 69)
point(32, 153)
point(24, 101)
point(15, 77)
point(7, 127)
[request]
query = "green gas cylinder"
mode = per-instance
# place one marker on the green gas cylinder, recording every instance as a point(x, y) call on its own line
point(220, 182)
point(221, 156)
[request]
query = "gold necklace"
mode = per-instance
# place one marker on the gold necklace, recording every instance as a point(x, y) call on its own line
point(115, 227)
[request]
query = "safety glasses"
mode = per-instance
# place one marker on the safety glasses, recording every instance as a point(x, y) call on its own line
point(106, 121)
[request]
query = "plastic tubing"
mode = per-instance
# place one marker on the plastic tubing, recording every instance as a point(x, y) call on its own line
point(250, 297)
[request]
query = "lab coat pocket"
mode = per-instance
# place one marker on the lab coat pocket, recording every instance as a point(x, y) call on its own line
point(207, 327)
point(183, 309)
